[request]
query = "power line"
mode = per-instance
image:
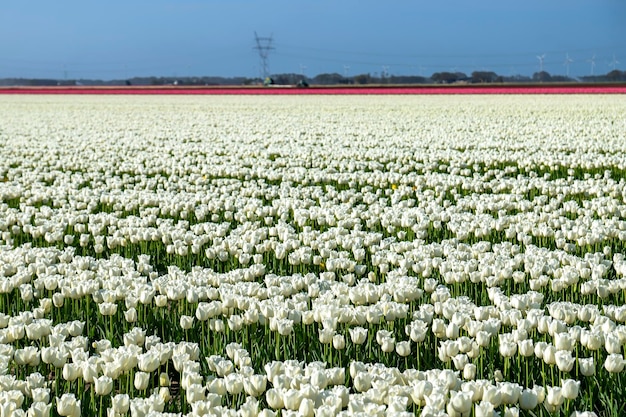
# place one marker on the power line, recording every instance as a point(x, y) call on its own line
point(445, 55)
point(264, 46)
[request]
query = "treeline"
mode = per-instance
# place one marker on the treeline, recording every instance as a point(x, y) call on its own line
point(476, 77)
point(138, 81)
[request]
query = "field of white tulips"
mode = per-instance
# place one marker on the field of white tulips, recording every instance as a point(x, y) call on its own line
point(312, 256)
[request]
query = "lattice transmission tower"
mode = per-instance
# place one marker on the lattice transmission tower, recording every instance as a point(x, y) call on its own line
point(264, 46)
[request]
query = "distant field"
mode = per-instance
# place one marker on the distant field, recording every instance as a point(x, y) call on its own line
point(289, 90)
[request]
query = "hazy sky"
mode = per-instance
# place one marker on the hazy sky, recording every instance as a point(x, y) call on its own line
point(117, 39)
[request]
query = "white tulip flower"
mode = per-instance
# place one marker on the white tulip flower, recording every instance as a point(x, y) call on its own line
point(141, 381)
point(103, 385)
point(67, 405)
point(587, 366)
point(614, 363)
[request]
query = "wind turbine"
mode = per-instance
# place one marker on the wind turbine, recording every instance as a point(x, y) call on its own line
point(613, 63)
point(346, 69)
point(302, 69)
point(593, 63)
point(541, 58)
point(385, 72)
point(567, 63)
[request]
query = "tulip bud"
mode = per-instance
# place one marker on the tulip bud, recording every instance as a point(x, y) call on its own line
point(141, 380)
point(58, 299)
point(164, 393)
point(164, 380)
point(71, 372)
point(130, 315)
point(469, 371)
point(339, 342)
point(549, 355)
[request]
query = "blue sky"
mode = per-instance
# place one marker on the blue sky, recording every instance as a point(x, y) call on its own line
point(118, 39)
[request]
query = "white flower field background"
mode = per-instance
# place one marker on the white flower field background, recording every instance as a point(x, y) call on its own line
point(312, 255)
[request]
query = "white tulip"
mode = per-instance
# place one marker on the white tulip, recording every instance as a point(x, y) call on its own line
point(67, 405)
point(358, 335)
point(103, 385)
point(614, 363)
point(141, 381)
point(570, 388)
point(528, 399)
point(587, 366)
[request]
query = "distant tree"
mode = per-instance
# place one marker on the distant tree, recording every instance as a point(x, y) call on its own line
point(461, 76)
point(542, 76)
point(407, 79)
point(250, 81)
point(362, 79)
point(484, 77)
point(616, 75)
point(516, 78)
point(288, 78)
point(448, 77)
point(328, 79)
point(561, 79)
point(43, 82)
point(442, 77)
